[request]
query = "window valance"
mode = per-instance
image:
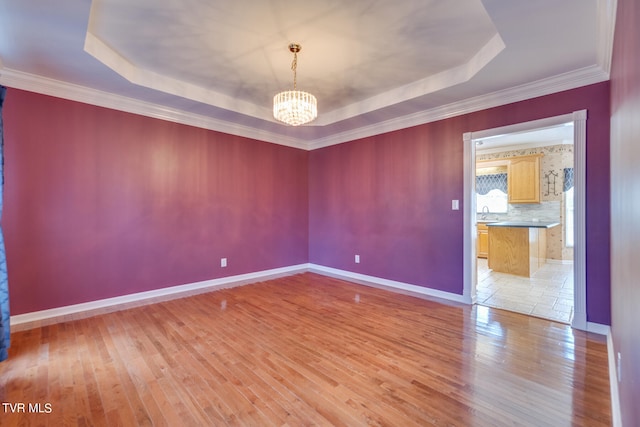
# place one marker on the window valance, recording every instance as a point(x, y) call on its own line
point(568, 179)
point(486, 183)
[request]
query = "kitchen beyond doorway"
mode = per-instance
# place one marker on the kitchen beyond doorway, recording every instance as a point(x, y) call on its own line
point(546, 294)
point(493, 136)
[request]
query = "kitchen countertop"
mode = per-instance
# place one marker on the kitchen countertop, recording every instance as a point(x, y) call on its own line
point(524, 224)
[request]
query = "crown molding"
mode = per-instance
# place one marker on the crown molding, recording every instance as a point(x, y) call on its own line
point(571, 80)
point(46, 86)
point(605, 28)
point(111, 58)
point(606, 17)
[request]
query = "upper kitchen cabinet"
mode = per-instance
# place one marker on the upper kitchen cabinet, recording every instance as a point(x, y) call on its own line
point(523, 179)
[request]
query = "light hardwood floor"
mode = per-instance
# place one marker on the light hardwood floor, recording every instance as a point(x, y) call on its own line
point(307, 350)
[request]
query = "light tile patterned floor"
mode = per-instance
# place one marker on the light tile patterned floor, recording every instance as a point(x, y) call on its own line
point(549, 294)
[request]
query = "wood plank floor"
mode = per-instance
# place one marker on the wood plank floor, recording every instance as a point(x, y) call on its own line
point(306, 350)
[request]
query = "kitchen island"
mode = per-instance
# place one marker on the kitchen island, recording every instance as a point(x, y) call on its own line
point(518, 247)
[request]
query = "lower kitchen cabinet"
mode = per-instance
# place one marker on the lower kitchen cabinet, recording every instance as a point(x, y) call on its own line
point(483, 241)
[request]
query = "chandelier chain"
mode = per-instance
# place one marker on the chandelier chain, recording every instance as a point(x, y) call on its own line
point(294, 67)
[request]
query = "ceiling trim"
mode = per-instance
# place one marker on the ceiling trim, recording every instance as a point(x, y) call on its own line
point(111, 58)
point(330, 128)
point(102, 43)
point(47, 86)
point(97, 48)
point(582, 77)
point(73, 92)
point(606, 29)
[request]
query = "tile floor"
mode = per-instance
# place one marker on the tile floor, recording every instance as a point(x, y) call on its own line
point(549, 294)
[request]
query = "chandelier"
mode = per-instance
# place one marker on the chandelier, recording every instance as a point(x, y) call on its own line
point(295, 107)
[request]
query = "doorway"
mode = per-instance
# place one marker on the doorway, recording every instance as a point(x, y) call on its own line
point(546, 292)
point(472, 273)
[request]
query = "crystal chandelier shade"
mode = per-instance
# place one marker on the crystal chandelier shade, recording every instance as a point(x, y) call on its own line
point(295, 107)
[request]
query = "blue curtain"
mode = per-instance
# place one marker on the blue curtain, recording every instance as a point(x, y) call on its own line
point(5, 332)
point(486, 183)
point(568, 179)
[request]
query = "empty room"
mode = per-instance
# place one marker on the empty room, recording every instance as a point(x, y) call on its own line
point(343, 213)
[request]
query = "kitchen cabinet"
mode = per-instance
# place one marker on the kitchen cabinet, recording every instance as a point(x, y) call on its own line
point(483, 241)
point(523, 179)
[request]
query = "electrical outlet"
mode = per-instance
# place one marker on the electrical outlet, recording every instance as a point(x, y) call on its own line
point(357, 259)
point(455, 205)
point(223, 262)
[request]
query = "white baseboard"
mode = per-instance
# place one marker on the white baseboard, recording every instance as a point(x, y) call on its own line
point(560, 261)
point(616, 415)
point(598, 328)
point(392, 285)
point(87, 309)
point(131, 300)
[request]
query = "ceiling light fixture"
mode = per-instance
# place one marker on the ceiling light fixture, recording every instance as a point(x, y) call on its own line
point(295, 107)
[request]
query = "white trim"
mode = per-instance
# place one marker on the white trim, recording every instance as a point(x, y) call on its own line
point(571, 80)
point(616, 414)
point(524, 126)
point(73, 92)
point(580, 227)
point(598, 328)
point(559, 261)
point(469, 227)
point(387, 284)
point(122, 302)
point(34, 83)
point(605, 28)
point(53, 315)
point(579, 136)
point(111, 58)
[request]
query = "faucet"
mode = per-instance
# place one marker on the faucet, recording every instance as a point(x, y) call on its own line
point(484, 212)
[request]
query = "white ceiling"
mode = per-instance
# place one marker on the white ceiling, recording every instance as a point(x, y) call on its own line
point(374, 65)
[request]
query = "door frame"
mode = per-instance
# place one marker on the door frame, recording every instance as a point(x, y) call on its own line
point(579, 119)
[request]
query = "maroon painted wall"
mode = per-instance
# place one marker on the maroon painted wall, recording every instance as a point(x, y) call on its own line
point(101, 203)
point(625, 205)
point(388, 197)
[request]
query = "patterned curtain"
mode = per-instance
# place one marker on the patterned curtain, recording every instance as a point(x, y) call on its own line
point(568, 179)
point(486, 183)
point(5, 333)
